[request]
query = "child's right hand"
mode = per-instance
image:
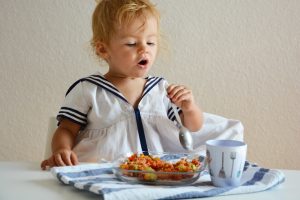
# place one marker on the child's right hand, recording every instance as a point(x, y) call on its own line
point(62, 157)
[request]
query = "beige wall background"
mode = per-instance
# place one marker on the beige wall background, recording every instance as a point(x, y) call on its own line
point(241, 58)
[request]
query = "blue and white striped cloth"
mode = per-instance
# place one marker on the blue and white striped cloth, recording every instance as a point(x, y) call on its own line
point(99, 179)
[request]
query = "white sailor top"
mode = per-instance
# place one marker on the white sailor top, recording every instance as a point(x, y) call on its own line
point(111, 127)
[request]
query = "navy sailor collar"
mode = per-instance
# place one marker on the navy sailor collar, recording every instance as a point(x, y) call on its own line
point(101, 81)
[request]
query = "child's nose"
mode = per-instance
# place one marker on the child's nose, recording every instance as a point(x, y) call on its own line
point(142, 49)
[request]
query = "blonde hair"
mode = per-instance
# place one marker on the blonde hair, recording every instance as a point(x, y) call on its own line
point(110, 14)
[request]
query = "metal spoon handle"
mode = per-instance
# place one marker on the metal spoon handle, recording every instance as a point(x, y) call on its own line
point(178, 119)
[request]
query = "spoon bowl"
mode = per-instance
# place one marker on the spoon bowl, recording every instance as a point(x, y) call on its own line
point(185, 136)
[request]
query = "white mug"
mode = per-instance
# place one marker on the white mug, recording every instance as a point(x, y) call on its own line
point(226, 160)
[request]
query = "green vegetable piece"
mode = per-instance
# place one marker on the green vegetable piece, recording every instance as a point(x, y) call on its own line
point(149, 169)
point(182, 168)
point(150, 177)
point(194, 167)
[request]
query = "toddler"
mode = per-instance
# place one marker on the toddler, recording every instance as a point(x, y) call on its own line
point(125, 109)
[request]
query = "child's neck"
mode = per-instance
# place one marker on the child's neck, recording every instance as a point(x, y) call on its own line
point(120, 79)
point(131, 87)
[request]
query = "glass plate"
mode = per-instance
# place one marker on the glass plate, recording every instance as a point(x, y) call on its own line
point(159, 177)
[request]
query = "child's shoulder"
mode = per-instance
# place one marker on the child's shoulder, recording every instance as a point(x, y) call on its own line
point(94, 80)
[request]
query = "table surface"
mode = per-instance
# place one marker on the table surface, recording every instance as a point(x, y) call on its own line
point(25, 180)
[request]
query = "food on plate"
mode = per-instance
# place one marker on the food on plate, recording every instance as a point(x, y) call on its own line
point(150, 168)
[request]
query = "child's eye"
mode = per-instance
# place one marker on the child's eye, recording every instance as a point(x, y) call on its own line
point(131, 44)
point(150, 43)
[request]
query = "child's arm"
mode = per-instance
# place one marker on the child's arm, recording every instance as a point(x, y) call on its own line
point(192, 116)
point(62, 144)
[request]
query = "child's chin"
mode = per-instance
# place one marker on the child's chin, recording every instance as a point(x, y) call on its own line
point(143, 67)
point(141, 74)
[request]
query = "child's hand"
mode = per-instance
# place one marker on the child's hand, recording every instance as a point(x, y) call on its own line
point(181, 97)
point(62, 157)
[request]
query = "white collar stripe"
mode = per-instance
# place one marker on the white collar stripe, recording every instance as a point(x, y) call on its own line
point(106, 87)
point(151, 85)
point(149, 80)
point(104, 81)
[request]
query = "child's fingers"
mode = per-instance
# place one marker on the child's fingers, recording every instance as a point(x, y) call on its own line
point(44, 164)
point(74, 159)
point(47, 163)
point(66, 157)
point(174, 90)
point(181, 98)
point(58, 160)
point(181, 95)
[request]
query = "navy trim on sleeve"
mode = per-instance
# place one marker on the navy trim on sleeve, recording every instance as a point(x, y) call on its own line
point(72, 114)
point(73, 110)
point(60, 117)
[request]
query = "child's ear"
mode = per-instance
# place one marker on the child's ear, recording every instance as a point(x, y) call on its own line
point(101, 50)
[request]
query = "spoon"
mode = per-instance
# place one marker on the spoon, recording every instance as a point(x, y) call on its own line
point(185, 136)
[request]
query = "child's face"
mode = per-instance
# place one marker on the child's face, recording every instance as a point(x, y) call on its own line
point(132, 50)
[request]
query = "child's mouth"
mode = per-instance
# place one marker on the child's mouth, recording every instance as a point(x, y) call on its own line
point(143, 62)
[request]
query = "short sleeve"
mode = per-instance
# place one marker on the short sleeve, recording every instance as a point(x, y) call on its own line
point(74, 107)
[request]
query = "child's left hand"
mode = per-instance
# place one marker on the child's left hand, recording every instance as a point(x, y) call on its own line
point(181, 97)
